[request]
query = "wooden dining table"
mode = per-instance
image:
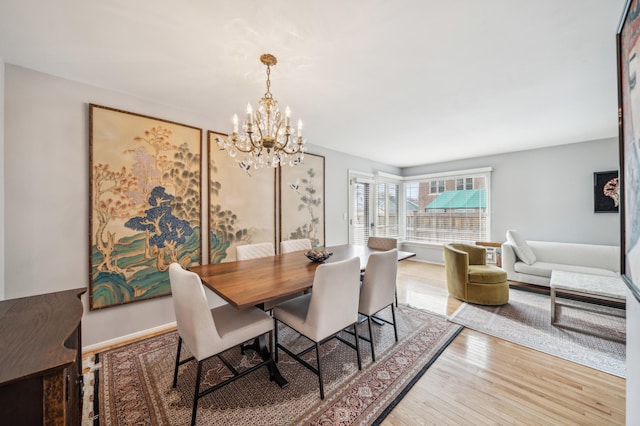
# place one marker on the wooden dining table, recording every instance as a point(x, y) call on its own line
point(252, 282)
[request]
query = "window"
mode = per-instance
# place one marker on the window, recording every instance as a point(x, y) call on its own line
point(360, 197)
point(387, 220)
point(457, 212)
point(436, 186)
point(464, 183)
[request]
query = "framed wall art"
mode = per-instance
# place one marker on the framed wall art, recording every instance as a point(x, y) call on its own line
point(302, 201)
point(145, 204)
point(242, 202)
point(605, 192)
point(628, 55)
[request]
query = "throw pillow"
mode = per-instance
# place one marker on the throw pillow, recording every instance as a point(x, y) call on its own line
point(522, 249)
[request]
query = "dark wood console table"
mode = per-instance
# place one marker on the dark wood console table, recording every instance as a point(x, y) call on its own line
point(41, 359)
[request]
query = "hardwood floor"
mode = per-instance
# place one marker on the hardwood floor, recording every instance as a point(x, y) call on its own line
point(483, 380)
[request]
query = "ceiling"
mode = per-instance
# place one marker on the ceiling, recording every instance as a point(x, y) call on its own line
point(405, 83)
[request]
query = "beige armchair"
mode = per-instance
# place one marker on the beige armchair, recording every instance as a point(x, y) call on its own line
point(470, 279)
point(319, 316)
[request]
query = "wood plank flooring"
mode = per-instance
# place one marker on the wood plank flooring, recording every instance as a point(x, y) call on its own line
point(483, 380)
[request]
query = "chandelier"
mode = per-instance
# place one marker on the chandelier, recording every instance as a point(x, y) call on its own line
point(267, 138)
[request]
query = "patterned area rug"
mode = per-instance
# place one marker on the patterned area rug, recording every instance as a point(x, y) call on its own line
point(135, 380)
point(525, 320)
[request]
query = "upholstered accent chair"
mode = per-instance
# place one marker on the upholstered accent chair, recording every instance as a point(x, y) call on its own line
point(470, 279)
point(319, 316)
point(209, 332)
point(289, 246)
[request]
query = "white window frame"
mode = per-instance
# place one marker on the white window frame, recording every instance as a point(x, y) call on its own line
point(481, 172)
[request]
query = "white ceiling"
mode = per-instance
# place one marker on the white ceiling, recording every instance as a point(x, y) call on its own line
point(406, 82)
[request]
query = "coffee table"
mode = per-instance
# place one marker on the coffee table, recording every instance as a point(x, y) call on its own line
point(592, 287)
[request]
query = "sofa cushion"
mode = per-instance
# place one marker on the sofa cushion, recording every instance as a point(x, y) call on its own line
point(486, 274)
point(544, 269)
point(520, 246)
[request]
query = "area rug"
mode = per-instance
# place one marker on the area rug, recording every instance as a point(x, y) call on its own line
point(525, 320)
point(135, 380)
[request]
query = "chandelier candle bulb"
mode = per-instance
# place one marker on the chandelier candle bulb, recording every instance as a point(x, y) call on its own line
point(287, 117)
point(235, 123)
point(299, 128)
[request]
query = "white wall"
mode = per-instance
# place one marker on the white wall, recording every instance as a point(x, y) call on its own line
point(2, 179)
point(546, 194)
point(47, 213)
point(633, 360)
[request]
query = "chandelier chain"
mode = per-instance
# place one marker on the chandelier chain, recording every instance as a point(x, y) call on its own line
point(268, 94)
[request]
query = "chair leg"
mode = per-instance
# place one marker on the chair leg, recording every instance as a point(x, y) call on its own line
point(275, 346)
point(395, 327)
point(396, 297)
point(319, 371)
point(355, 332)
point(196, 395)
point(175, 371)
point(373, 353)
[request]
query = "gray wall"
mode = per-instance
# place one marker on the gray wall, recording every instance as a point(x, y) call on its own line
point(546, 194)
point(47, 205)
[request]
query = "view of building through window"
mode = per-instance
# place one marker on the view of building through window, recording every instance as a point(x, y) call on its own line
point(457, 212)
point(438, 210)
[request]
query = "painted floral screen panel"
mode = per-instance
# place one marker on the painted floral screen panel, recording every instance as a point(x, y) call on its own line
point(242, 204)
point(302, 201)
point(145, 204)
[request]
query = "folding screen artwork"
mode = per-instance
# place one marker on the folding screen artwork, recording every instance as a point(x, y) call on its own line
point(302, 201)
point(145, 204)
point(242, 204)
point(605, 192)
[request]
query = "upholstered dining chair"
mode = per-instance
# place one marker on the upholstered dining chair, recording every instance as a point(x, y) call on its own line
point(384, 243)
point(289, 246)
point(470, 279)
point(254, 251)
point(209, 332)
point(319, 316)
point(378, 290)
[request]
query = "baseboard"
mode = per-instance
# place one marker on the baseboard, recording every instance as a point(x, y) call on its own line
point(123, 340)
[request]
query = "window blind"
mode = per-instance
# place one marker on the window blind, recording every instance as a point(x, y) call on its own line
point(458, 212)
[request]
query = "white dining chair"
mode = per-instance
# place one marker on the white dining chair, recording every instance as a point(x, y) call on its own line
point(254, 251)
point(289, 246)
point(384, 243)
point(319, 316)
point(209, 332)
point(378, 290)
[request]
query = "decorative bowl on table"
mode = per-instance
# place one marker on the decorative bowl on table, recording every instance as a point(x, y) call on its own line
point(318, 255)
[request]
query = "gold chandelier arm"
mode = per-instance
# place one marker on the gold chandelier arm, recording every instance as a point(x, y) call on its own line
point(298, 145)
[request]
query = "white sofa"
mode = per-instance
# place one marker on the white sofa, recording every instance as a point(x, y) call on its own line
point(544, 257)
